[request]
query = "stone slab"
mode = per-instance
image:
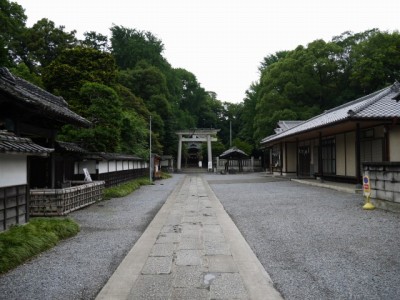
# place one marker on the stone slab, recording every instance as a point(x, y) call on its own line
point(157, 265)
point(190, 294)
point(168, 237)
point(221, 264)
point(188, 276)
point(149, 287)
point(188, 258)
point(216, 248)
point(190, 244)
point(166, 249)
point(228, 286)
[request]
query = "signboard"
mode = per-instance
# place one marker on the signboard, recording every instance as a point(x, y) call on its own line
point(366, 186)
point(87, 175)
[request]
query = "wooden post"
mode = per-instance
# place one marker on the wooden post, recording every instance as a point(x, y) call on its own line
point(179, 162)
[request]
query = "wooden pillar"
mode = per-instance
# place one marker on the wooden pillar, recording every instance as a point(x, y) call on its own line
point(297, 157)
point(53, 161)
point(281, 157)
point(386, 144)
point(358, 153)
point(209, 153)
point(320, 166)
point(178, 163)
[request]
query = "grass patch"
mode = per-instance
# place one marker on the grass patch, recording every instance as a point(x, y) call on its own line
point(125, 188)
point(165, 175)
point(22, 242)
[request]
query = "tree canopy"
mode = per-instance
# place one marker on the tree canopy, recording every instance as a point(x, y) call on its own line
point(303, 82)
point(120, 82)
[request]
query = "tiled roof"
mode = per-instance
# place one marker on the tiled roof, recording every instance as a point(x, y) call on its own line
point(378, 105)
point(31, 95)
point(9, 143)
point(286, 124)
point(233, 152)
point(70, 147)
point(111, 156)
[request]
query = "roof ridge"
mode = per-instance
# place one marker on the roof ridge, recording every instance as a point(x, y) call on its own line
point(6, 75)
point(378, 95)
point(352, 102)
point(39, 92)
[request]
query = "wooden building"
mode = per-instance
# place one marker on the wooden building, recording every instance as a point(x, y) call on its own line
point(29, 119)
point(334, 144)
point(14, 184)
point(29, 111)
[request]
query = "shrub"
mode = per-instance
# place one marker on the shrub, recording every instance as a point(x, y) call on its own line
point(22, 242)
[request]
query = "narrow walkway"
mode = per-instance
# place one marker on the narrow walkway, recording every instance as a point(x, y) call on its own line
point(191, 250)
point(338, 186)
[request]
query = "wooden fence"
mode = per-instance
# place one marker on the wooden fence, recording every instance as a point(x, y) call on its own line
point(248, 165)
point(58, 202)
point(13, 206)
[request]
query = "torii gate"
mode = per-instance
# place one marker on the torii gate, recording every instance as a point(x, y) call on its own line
point(196, 135)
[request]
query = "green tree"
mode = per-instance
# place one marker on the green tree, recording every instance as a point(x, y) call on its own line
point(376, 61)
point(96, 41)
point(105, 112)
point(43, 43)
point(303, 81)
point(243, 145)
point(300, 83)
point(134, 134)
point(22, 70)
point(12, 24)
point(131, 46)
point(73, 68)
point(246, 119)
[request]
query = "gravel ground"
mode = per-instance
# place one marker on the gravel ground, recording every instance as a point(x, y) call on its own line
point(315, 243)
point(79, 267)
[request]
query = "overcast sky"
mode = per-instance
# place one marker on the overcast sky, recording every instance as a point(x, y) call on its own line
point(222, 42)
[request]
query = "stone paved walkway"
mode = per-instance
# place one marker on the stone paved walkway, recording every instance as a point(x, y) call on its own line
point(191, 250)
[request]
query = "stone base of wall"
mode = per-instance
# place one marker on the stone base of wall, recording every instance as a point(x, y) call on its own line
point(385, 184)
point(386, 205)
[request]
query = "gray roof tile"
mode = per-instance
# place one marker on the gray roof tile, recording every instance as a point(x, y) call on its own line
point(31, 95)
point(9, 143)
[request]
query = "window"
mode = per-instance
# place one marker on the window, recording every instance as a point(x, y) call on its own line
point(372, 150)
point(276, 159)
point(329, 156)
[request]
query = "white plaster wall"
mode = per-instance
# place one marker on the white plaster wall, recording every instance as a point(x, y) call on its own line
point(131, 165)
point(88, 164)
point(394, 143)
point(13, 170)
point(340, 155)
point(103, 167)
point(119, 165)
point(291, 157)
point(112, 165)
point(125, 165)
point(351, 153)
